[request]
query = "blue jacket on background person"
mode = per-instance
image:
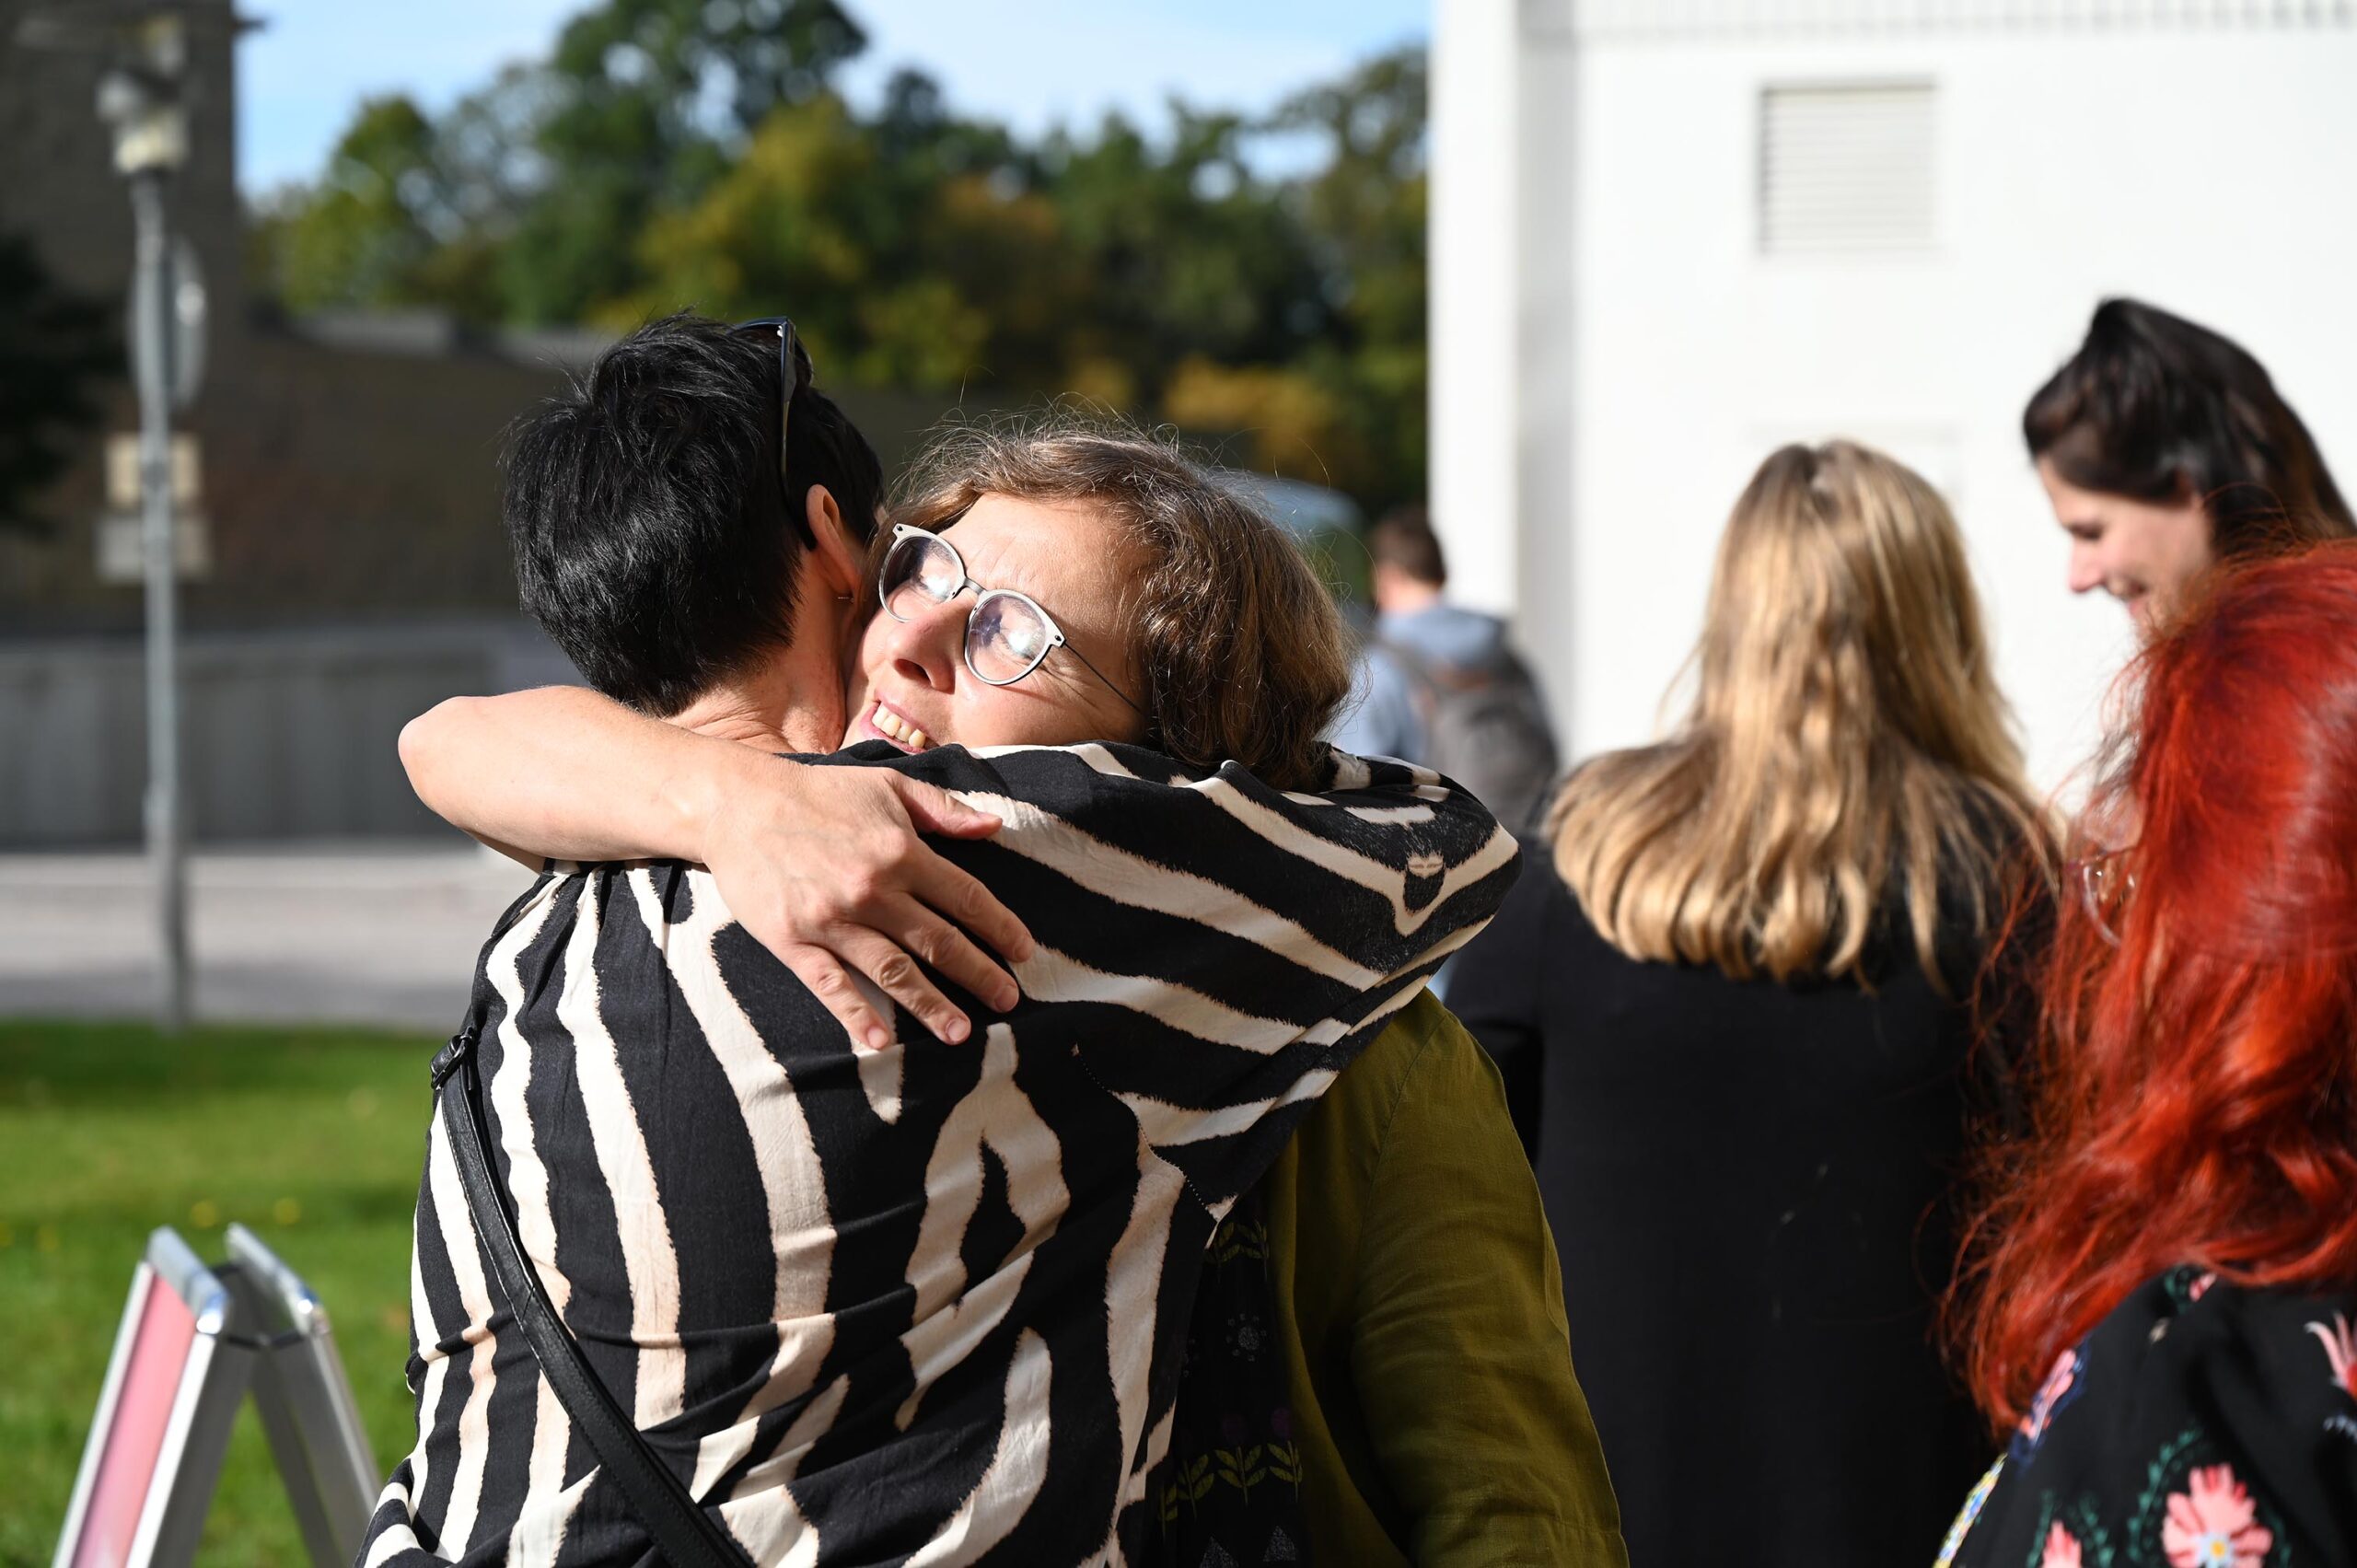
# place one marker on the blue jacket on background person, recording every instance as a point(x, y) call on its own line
point(1388, 720)
point(1442, 688)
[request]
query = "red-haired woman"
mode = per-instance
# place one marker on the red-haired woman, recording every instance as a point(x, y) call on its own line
point(2165, 1322)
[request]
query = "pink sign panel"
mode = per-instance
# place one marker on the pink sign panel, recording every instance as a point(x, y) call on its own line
point(134, 1435)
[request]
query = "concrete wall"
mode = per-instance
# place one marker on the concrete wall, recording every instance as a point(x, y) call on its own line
point(2178, 154)
point(288, 735)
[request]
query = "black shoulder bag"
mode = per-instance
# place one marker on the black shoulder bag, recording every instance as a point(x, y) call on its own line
point(684, 1533)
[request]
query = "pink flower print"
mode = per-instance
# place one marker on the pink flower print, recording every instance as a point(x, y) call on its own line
point(2200, 1287)
point(2061, 1550)
point(2049, 1397)
point(2212, 1524)
point(2341, 1349)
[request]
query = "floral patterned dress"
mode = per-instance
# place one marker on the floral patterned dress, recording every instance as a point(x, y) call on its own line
point(1228, 1495)
point(2201, 1426)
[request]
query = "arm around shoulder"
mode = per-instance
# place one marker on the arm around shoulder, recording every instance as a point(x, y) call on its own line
point(823, 865)
point(566, 774)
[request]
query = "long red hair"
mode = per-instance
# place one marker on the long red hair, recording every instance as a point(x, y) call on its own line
point(2195, 1075)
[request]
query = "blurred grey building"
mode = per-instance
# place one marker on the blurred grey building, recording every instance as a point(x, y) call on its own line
point(355, 572)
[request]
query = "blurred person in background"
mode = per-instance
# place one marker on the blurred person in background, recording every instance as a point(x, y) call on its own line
point(1440, 686)
point(2163, 447)
point(1387, 1376)
point(1748, 982)
point(2161, 1317)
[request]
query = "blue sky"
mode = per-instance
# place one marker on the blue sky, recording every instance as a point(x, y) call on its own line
point(1029, 62)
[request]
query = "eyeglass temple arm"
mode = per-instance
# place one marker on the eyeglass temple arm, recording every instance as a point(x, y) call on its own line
point(1067, 644)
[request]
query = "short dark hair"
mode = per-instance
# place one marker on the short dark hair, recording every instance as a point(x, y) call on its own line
point(1404, 538)
point(2152, 407)
point(654, 541)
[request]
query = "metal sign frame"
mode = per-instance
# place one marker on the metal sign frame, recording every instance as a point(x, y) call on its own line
point(254, 1327)
point(187, 1463)
point(305, 1404)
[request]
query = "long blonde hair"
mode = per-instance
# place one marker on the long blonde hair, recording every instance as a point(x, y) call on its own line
point(1845, 724)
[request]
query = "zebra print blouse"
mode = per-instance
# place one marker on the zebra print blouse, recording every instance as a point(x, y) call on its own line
point(923, 1306)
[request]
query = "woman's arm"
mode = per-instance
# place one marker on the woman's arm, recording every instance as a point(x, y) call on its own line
point(1459, 1351)
point(823, 865)
point(564, 774)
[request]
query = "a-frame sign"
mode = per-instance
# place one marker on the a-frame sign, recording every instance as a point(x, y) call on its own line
point(194, 1341)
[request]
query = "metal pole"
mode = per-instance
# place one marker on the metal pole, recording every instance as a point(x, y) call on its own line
point(167, 849)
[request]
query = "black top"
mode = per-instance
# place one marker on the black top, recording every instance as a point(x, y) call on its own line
point(2200, 1424)
point(1749, 1185)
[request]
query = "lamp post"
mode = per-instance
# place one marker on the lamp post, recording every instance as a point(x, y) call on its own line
point(142, 96)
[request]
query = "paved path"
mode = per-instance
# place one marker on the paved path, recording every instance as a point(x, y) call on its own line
point(343, 934)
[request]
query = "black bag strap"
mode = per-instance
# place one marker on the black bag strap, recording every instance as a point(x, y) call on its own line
point(683, 1533)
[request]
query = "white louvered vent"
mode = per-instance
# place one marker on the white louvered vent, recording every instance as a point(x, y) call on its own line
point(1846, 167)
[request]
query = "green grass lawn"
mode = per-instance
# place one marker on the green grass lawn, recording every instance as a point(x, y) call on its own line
point(310, 1137)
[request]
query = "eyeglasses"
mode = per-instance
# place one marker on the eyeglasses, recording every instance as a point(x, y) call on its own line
point(794, 373)
point(1008, 636)
point(2104, 883)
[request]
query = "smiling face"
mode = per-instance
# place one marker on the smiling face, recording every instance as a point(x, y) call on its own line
point(2141, 553)
point(911, 686)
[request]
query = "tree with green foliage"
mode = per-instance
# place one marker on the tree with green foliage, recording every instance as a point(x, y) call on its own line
point(647, 104)
point(364, 236)
point(695, 154)
point(1365, 215)
point(909, 255)
point(1344, 406)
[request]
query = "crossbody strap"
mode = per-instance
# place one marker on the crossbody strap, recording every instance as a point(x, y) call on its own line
point(684, 1533)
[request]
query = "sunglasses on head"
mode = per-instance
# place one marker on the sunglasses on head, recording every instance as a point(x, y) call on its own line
point(794, 373)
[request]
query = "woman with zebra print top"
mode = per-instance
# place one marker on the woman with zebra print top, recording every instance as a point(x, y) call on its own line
point(923, 1304)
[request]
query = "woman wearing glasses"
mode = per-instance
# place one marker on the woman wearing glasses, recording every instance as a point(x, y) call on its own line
point(2162, 1323)
point(1376, 1359)
point(1747, 980)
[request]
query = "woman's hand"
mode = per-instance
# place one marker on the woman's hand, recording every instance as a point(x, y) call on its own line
point(824, 867)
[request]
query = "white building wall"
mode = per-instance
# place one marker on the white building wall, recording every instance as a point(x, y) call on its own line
point(2210, 168)
point(1472, 221)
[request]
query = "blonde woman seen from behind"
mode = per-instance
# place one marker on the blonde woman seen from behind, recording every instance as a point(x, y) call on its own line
point(1744, 996)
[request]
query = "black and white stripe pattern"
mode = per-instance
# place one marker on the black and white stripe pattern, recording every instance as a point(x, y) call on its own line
point(921, 1306)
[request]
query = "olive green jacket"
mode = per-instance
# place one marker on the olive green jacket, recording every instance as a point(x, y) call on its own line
point(1421, 1313)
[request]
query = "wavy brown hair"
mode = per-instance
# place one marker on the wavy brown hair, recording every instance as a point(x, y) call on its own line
point(1846, 727)
point(1242, 654)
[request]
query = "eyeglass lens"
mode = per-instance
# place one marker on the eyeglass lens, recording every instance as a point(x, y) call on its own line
point(1005, 639)
point(2104, 887)
point(1005, 636)
point(918, 573)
